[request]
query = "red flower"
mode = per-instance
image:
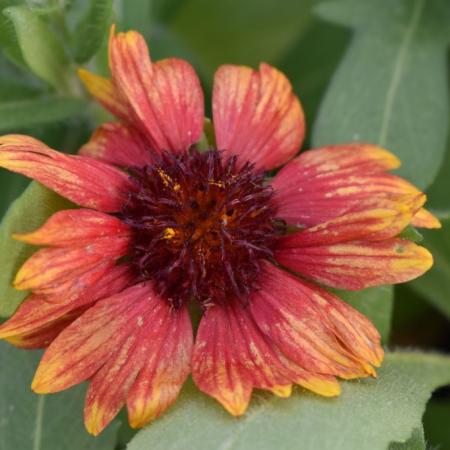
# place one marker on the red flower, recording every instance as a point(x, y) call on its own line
point(161, 224)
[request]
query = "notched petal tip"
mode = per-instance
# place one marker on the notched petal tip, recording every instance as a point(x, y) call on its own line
point(282, 391)
point(233, 404)
point(425, 219)
point(257, 115)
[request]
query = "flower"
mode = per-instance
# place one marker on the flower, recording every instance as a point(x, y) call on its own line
point(161, 224)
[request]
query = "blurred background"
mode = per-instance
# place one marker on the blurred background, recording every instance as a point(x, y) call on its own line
point(371, 70)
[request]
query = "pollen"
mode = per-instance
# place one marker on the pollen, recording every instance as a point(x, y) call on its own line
point(169, 233)
point(201, 225)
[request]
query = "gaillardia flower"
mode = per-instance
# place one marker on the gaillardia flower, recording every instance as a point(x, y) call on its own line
point(163, 224)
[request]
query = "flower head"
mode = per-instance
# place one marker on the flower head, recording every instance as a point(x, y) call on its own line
point(162, 224)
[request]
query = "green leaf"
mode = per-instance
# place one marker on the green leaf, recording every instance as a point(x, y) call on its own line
point(14, 90)
point(91, 30)
point(25, 214)
point(254, 30)
point(436, 423)
point(16, 115)
point(41, 422)
point(438, 200)
point(8, 39)
point(369, 414)
point(435, 284)
point(381, 91)
point(376, 304)
point(411, 234)
point(11, 186)
point(311, 62)
point(40, 47)
point(416, 442)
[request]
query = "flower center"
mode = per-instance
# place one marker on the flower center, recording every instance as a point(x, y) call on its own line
point(201, 226)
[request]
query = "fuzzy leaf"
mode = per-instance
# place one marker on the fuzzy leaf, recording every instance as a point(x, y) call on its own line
point(91, 30)
point(40, 47)
point(369, 414)
point(391, 87)
point(27, 213)
point(41, 422)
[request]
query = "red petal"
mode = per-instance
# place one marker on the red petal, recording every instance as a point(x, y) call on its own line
point(88, 343)
point(76, 227)
point(256, 115)
point(48, 268)
point(166, 97)
point(166, 367)
point(313, 328)
point(115, 143)
point(385, 220)
point(43, 337)
point(39, 311)
point(231, 357)
point(326, 183)
point(82, 180)
point(355, 265)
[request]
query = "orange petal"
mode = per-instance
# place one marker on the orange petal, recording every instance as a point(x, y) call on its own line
point(385, 220)
point(38, 312)
point(75, 227)
point(49, 267)
point(424, 219)
point(256, 115)
point(167, 364)
point(326, 183)
point(356, 265)
point(82, 180)
point(44, 336)
point(89, 342)
point(166, 97)
point(231, 357)
point(312, 328)
point(116, 143)
point(106, 93)
point(216, 368)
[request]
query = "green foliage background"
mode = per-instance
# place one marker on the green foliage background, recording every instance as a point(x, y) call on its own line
point(371, 70)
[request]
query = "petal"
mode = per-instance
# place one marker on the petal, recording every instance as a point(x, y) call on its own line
point(355, 265)
point(106, 93)
point(385, 220)
point(43, 337)
point(326, 183)
point(88, 343)
point(50, 267)
point(313, 328)
point(116, 143)
point(166, 367)
point(82, 180)
point(76, 227)
point(37, 312)
point(166, 97)
point(256, 115)
point(424, 219)
point(231, 357)
point(143, 349)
